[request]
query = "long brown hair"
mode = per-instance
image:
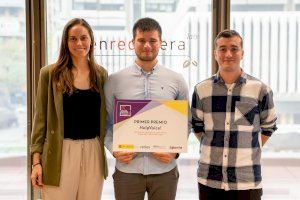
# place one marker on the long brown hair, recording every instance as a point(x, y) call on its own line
point(62, 72)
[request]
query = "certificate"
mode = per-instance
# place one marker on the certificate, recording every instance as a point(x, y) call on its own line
point(150, 126)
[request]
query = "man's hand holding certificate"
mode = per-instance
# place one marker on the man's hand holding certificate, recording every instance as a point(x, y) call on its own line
point(150, 126)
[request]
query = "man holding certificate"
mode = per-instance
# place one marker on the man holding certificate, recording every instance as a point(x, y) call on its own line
point(147, 80)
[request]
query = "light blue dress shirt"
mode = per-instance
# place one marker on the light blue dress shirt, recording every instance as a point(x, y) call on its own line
point(134, 83)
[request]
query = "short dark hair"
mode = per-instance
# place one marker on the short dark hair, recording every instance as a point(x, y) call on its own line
point(146, 24)
point(227, 33)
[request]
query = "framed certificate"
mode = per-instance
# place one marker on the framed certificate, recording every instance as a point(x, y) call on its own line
point(150, 126)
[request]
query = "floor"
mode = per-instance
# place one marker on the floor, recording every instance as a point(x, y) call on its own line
point(281, 179)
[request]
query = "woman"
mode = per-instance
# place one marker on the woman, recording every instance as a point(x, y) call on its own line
point(68, 128)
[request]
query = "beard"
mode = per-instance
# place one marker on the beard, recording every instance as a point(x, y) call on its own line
point(147, 57)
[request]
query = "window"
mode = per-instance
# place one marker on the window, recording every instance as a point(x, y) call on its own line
point(13, 105)
point(96, 5)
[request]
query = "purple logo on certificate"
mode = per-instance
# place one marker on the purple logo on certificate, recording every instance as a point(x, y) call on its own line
point(125, 111)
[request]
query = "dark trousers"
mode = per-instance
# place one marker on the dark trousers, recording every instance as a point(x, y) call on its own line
point(129, 186)
point(208, 193)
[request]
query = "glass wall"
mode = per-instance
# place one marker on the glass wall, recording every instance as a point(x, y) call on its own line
point(271, 32)
point(13, 116)
point(186, 49)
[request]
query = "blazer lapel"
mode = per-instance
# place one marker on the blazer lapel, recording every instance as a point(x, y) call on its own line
point(58, 102)
point(102, 108)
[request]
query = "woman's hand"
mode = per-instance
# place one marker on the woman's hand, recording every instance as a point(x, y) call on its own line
point(37, 171)
point(36, 176)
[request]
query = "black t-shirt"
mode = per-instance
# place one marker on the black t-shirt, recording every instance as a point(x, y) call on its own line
point(81, 114)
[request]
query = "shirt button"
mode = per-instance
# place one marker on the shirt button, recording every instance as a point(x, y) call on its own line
point(49, 151)
point(227, 123)
point(229, 90)
point(52, 132)
point(225, 156)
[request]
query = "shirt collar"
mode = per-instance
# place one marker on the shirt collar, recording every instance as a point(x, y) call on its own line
point(240, 80)
point(140, 70)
